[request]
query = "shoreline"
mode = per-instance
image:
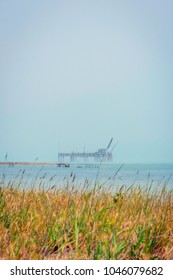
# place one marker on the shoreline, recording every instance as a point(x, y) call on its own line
point(11, 163)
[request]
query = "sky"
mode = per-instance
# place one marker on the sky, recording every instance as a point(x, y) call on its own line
point(73, 74)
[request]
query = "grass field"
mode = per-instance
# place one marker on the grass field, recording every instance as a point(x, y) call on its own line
point(80, 223)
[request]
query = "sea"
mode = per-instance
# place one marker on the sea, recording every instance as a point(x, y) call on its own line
point(105, 174)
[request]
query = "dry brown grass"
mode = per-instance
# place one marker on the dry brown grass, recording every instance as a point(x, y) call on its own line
point(86, 224)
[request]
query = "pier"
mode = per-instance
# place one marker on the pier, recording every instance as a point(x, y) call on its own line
point(101, 154)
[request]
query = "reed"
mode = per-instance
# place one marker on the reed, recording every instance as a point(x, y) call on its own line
point(78, 222)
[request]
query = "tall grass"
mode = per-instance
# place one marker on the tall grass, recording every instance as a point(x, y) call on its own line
point(81, 223)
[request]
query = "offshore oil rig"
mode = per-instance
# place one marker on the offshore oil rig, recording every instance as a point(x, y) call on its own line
point(100, 155)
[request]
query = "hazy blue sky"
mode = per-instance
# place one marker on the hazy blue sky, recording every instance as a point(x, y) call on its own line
point(76, 73)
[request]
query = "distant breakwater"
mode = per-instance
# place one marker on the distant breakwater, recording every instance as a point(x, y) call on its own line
point(11, 163)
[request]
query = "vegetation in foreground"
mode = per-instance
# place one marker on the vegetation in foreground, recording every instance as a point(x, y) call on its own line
point(75, 223)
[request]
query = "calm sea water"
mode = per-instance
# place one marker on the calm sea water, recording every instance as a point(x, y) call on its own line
point(128, 174)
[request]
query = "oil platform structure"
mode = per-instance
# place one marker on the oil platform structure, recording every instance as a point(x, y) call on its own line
point(99, 155)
